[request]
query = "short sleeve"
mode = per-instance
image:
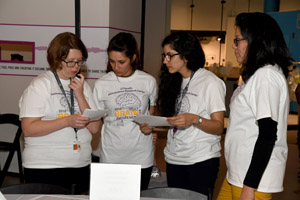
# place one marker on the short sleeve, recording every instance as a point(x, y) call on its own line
point(215, 96)
point(153, 92)
point(89, 96)
point(265, 97)
point(97, 96)
point(34, 99)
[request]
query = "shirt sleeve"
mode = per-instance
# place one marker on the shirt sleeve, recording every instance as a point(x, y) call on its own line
point(215, 96)
point(97, 97)
point(265, 97)
point(153, 92)
point(89, 95)
point(34, 99)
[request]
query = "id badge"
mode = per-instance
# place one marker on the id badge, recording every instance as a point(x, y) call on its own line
point(172, 145)
point(76, 146)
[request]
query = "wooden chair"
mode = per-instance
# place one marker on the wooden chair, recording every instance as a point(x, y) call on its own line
point(11, 147)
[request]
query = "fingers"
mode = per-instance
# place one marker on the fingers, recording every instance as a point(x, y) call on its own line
point(177, 120)
point(81, 77)
point(181, 120)
point(79, 121)
point(145, 128)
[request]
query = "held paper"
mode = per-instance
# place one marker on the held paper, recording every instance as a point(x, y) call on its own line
point(152, 120)
point(94, 114)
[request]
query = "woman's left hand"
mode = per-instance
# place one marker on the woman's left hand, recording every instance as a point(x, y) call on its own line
point(183, 120)
point(248, 193)
point(146, 129)
point(77, 85)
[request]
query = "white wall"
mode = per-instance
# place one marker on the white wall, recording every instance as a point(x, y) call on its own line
point(157, 27)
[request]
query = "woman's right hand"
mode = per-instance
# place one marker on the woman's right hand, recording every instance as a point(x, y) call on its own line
point(78, 121)
point(146, 129)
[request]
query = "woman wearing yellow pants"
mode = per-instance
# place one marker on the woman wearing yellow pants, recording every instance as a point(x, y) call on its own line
point(255, 142)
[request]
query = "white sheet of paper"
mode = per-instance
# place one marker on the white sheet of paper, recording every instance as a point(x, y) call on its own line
point(94, 114)
point(152, 120)
point(2, 197)
point(115, 181)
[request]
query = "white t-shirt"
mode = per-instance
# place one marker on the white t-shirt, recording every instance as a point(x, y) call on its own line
point(43, 98)
point(205, 95)
point(122, 141)
point(264, 95)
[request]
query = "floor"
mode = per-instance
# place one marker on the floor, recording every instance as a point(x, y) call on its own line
point(291, 183)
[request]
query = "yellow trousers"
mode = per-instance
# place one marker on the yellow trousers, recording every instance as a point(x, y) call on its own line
point(231, 192)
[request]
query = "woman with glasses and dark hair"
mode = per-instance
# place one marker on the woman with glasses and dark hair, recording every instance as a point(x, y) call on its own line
point(255, 142)
point(193, 99)
point(57, 137)
point(126, 91)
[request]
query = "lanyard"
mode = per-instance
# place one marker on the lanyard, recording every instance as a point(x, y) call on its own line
point(71, 106)
point(178, 103)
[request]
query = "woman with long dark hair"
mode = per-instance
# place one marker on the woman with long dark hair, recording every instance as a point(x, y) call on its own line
point(193, 99)
point(255, 143)
point(126, 91)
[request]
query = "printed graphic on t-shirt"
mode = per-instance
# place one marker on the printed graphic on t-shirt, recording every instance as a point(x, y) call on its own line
point(64, 110)
point(129, 106)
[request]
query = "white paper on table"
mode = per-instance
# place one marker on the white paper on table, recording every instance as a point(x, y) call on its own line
point(94, 114)
point(115, 181)
point(2, 197)
point(152, 120)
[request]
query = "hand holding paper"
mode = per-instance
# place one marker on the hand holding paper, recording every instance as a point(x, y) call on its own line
point(152, 120)
point(94, 114)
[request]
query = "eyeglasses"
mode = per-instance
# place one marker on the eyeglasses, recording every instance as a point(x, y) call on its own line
point(80, 63)
point(168, 56)
point(236, 41)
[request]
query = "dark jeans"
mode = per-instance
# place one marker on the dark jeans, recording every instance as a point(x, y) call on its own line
point(199, 177)
point(145, 177)
point(74, 179)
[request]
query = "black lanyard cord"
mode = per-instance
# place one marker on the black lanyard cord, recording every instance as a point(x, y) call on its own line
point(71, 106)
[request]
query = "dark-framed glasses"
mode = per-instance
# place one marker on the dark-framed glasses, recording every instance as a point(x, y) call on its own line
point(236, 41)
point(73, 63)
point(168, 56)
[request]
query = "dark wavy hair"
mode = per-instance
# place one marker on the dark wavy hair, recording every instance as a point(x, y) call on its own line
point(125, 43)
point(266, 43)
point(189, 48)
point(60, 46)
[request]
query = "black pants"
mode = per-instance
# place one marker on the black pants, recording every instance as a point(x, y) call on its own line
point(298, 136)
point(74, 179)
point(145, 178)
point(199, 177)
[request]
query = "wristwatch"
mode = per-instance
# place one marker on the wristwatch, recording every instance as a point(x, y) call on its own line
point(199, 121)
